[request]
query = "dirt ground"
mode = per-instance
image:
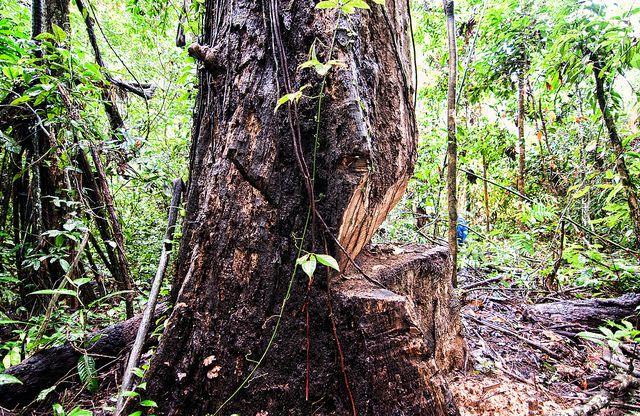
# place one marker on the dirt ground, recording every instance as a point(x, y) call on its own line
point(507, 374)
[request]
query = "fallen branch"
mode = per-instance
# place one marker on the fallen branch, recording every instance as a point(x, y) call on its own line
point(513, 334)
point(43, 369)
point(623, 384)
point(589, 312)
point(482, 283)
point(621, 366)
point(145, 323)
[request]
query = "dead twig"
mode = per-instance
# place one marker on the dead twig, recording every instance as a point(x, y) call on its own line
point(482, 283)
point(145, 323)
point(620, 365)
point(515, 335)
point(623, 384)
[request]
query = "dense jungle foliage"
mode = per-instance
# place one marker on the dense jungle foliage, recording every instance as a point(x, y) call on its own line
point(566, 219)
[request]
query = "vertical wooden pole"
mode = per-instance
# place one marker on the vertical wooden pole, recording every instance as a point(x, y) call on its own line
point(452, 145)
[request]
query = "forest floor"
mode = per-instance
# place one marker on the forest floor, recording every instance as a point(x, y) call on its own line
point(515, 366)
point(509, 370)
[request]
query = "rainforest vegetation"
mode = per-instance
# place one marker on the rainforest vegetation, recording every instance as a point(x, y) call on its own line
point(288, 207)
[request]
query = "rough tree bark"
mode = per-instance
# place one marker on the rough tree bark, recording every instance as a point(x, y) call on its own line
point(452, 144)
point(588, 312)
point(247, 205)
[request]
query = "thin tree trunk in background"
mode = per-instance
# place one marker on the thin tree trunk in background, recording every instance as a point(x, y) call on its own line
point(485, 189)
point(452, 144)
point(543, 122)
point(7, 171)
point(521, 144)
point(88, 185)
point(100, 203)
point(110, 107)
point(618, 151)
point(116, 231)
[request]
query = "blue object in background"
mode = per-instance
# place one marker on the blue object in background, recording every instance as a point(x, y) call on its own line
point(462, 230)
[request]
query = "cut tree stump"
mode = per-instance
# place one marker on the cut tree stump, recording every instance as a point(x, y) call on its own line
point(399, 340)
point(45, 368)
point(587, 312)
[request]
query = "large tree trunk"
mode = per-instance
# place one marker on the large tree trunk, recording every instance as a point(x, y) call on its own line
point(248, 204)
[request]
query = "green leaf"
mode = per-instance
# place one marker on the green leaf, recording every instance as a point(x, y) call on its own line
point(359, 4)
point(292, 96)
point(327, 4)
point(44, 393)
point(61, 292)
point(282, 100)
point(21, 100)
point(79, 412)
point(309, 64)
point(606, 331)
point(12, 358)
point(308, 264)
point(59, 34)
point(10, 322)
point(81, 281)
point(8, 379)
point(87, 372)
point(139, 372)
point(148, 403)
point(64, 264)
point(328, 261)
point(597, 338)
point(58, 410)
